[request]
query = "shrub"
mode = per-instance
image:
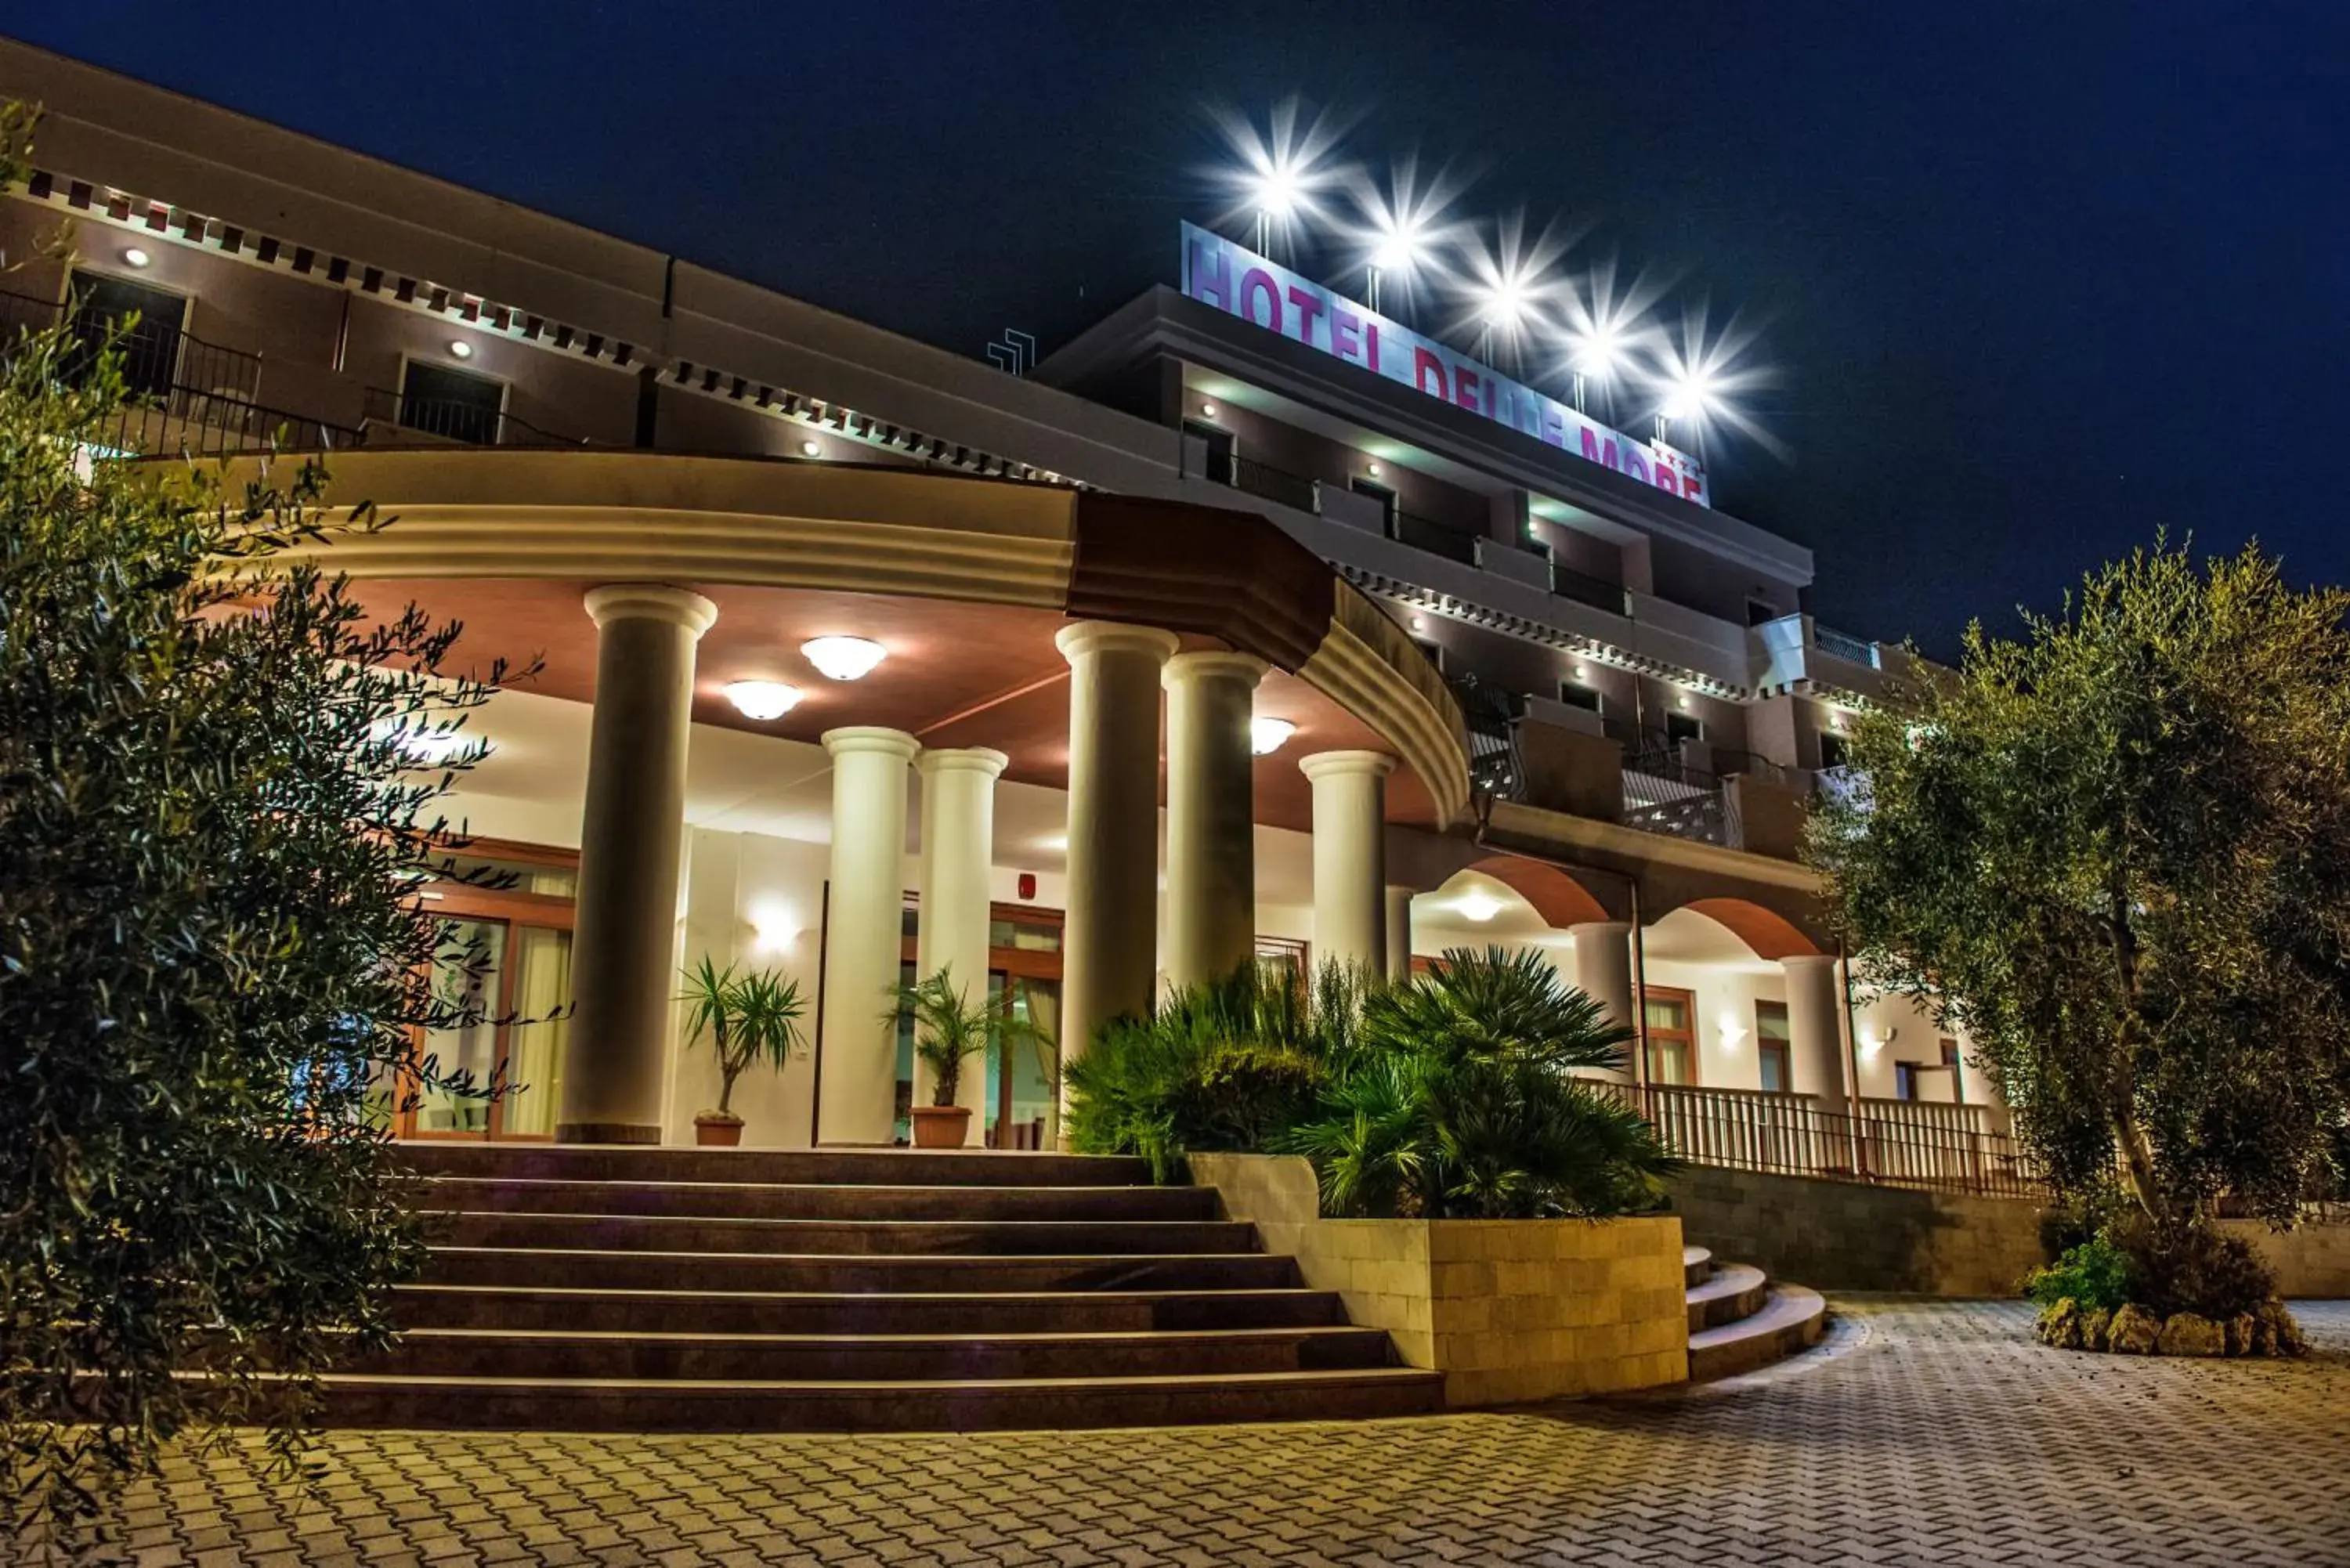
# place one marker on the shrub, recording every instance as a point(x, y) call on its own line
point(2191, 1268)
point(2094, 1276)
point(1458, 1099)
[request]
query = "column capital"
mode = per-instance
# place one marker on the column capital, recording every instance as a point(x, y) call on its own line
point(1601, 928)
point(961, 759)
point(1210, 665)
point(1807, 960)
point(651, 601)
point(855, 738)
point(1347, 764)
point(1080, 638)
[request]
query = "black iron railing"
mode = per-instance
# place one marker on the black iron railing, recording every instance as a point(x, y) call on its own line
point(1584, 589)
point(1489, 715)
point(1843, 645)
point(1421, 533)
point(1275, 484)
point(471, 424)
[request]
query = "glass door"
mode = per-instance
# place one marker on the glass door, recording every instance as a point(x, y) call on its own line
point(513, 982)
point(1672, 1040)
point(1022, 1110)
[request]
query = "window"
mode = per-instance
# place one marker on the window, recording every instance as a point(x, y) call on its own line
point(150, 350)
point(1279, 956)
point(1384, 497)
point(1679, 727)
point(1220, 450)
point(1905, 1080)
point(1759, 611)
point(458, 404)
point(1575, 694)
point(1672, 1038)
point(1774, 1047)
point(1957, 1079)
point(1834, 752)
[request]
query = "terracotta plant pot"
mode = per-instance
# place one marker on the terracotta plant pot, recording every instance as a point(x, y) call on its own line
point(940, 1127)
point(712, 1130)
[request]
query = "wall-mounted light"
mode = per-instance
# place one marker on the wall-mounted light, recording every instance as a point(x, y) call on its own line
point(1418, 624)
point(774, 925)
point(811, 449)
point(1684, 701)
point(761, 699)
point(1733, 1031)
point(1267, 736)
point(423, 740)
point(1208, 411)
point(461, 348)
point(1372, 469)
point(1477, 905)
point(134, 257)
point(844, 657)
point(1583, 673)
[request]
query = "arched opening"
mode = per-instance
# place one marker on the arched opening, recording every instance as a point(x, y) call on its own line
point(1767, 934)
point(1561, 900)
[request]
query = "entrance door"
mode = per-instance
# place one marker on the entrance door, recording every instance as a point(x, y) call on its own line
point(1024, 981)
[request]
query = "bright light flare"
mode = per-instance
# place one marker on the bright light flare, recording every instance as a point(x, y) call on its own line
point(1268, 735)
point(1275, 189)
point(1279, 172)
point(1477, 905)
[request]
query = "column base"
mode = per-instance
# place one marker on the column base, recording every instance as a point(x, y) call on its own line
point(607, 1132)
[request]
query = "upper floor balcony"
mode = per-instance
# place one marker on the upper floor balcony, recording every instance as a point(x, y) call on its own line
point(1797, 652)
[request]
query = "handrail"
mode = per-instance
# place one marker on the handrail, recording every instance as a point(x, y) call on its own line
point(1424, 534)
point(467, 423)
point(1844, 645)
point(1276, 484)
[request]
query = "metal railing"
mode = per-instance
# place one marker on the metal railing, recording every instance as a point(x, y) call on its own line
point(1490, 715)
point(1276, 484)
point(468, 424)
point(1889, 1143)
point(1585, 590)
point(1421, 533)
point(1727, 762)
point(1844, 645)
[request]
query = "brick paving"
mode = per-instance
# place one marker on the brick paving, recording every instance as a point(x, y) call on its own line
point(1920, 1433)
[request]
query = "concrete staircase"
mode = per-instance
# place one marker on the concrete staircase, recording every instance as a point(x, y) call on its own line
point(1740, 1321)
point(717, 1290)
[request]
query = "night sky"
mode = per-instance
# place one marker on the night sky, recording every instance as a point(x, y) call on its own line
point(2034, 279)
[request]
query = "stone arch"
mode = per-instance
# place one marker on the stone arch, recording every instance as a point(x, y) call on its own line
point(1561, 900)
point(1767, 933)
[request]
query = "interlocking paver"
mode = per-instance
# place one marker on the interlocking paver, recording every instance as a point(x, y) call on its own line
point(1924, 1432)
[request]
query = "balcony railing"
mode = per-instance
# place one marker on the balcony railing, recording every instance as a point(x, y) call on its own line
point(1276, 484)
point(468, 424)
point(1891, 1143)
point(1489, 715)
point(1435, 538)
point(1584, 589)
point(1662, 793)
point(1844, 645)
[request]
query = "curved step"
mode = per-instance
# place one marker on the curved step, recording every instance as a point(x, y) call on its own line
point(634, 1270)
point(524, 1404)
point(1697, 1262)
point(1731, 1292)
point(789, 1166)
point(845, 1237)
point(1793, 1319)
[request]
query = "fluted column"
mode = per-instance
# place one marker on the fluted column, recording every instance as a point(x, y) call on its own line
point(1602, 971)
point(1210, 816)
point(1398, 933)
point(630, 833)
point(958, 843)
point(1350, 857)
point(864, 931)
point(1110, 942)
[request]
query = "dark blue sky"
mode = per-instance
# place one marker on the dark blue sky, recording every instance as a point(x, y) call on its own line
point(2037, 279)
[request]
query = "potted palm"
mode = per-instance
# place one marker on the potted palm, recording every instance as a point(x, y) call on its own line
point(749, 1019)
point(948, 1030)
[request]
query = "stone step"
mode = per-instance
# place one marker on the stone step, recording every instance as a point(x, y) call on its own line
point(618, 1406)
point(981, 1238)
point(869, 1358)
point(795, 1167)
point(630, 1269)
point(757, 1312)
point(1790, 1320)
point(760, 1201)
point(1696, 1264)
point(1733, 1291)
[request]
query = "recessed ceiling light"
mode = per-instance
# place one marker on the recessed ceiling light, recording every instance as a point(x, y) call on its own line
point(135, 256)
point(459, 347)
point(1209, 410)
point(762, 699)
point(1267, 736)
point(1478, 904)
point(811, 449)
point(844, 657)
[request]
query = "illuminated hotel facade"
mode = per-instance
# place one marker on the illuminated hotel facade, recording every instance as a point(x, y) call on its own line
point(1247, 623)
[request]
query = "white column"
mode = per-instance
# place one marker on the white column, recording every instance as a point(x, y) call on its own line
point(1210, 816)
point(1350, 857)
point(1816, 1045)
point(864, 931)
point(958, 848)
point(630, 833)
point(1110, 942)
point(1398, 933)
point(1602, 971)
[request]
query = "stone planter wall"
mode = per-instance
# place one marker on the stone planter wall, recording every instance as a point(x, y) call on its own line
point(1508, 1310)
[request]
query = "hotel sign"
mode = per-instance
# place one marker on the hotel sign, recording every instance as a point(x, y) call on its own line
point(1239, 282)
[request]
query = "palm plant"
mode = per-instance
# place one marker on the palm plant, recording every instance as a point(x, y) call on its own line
point(950, 1028)
point(749, 1019)
point(1459, 1100)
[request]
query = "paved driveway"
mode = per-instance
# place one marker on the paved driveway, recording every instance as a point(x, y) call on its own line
point(1920, 1433)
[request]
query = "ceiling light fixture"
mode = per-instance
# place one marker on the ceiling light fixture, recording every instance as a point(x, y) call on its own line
point(1267, 736)
point(844, 657)
point(761, 699)
point(1478, 904)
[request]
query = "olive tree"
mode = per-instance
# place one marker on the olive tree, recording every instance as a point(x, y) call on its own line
point(2114, 851)
point(212, 962)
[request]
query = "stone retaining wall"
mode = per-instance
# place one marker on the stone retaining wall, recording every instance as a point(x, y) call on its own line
point(1508, 1310)
point(1850, 1236)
